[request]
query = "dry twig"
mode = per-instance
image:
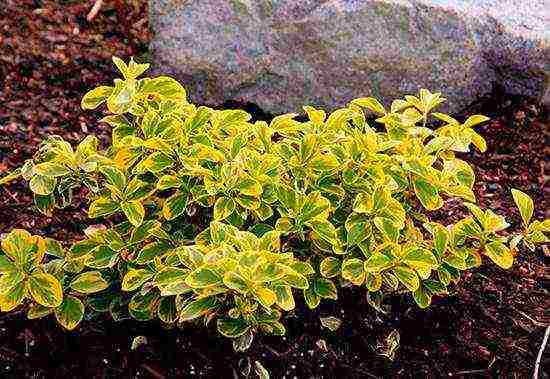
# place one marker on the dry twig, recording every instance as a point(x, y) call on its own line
point(95, 10)
point(541, 350)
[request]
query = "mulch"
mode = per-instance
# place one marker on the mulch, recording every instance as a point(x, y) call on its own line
point(490, 326)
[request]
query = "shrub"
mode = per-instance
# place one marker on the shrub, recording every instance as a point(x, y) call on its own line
point(212, 216)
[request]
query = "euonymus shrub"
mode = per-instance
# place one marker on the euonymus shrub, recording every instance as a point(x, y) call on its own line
point(214, 218)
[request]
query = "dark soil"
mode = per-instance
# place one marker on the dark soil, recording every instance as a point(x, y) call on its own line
point(490, 326)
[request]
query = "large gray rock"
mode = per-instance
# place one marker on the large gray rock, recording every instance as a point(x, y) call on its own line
point(282, 54)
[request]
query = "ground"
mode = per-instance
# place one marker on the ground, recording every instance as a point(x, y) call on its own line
point(490, 326)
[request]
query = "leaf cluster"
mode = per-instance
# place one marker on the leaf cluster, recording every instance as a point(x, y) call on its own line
point(211, 217)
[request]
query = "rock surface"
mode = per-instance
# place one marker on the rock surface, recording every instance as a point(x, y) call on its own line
point(282, 54)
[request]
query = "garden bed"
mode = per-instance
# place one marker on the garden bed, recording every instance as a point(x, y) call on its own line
point(491, 325)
